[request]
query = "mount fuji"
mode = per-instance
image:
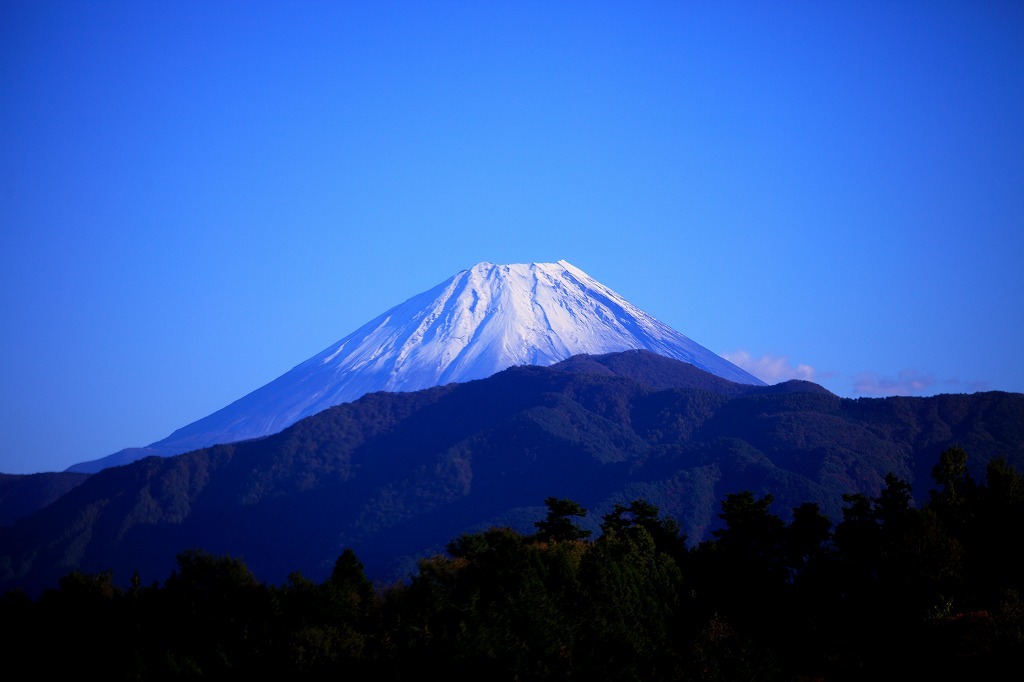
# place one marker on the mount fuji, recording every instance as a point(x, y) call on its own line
point(480, 321)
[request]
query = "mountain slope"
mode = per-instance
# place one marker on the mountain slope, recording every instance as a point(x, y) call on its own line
point(21, 495)
point(479, 322)
point(395, 476)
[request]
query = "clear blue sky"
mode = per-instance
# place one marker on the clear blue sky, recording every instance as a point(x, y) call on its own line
point(197, 196)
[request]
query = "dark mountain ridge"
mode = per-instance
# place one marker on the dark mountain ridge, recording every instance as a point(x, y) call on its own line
point(395, 476)
point(20, 495)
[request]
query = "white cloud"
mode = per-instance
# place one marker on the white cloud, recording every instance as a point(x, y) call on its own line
point(958, 386)
point(773, 369)
point(769, 368)
point(907, 382)
point(911, 382)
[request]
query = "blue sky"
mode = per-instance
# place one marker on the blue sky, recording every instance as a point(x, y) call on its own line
point(197, 196)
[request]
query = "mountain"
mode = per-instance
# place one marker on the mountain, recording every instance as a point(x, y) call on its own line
point(21, 495)
point(396, 476)
point(479, 322)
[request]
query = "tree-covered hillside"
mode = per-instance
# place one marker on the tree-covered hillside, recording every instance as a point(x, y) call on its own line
point(395, 476)
point(892, 591)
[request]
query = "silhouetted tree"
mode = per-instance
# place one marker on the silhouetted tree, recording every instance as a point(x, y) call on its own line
point(897, 591)
point(558, 526)
point(216, 615)
point(955, 488)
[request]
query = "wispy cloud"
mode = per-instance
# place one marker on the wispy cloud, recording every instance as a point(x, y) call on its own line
point(911, 382)
point(907, 382)
point(770, 368)
point(773, 369)
point(957, 386)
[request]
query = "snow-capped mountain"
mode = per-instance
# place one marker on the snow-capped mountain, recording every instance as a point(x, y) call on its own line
point(477, 323)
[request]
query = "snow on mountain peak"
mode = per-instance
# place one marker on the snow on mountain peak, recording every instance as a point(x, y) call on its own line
point(478, 322)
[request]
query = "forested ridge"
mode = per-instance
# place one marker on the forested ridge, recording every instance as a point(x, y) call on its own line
point(892, 590)
point(396, 476)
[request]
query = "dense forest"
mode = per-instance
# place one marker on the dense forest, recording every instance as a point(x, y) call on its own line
point(892, 590)
point(396, 476)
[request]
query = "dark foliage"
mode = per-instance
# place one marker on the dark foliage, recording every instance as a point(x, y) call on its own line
point(892, 591)
point(22, 495)
point(395, 476)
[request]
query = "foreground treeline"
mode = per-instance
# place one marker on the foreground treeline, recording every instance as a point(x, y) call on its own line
point(890, 591)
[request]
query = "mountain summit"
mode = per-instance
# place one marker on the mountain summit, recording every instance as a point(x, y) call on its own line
point(477, 323)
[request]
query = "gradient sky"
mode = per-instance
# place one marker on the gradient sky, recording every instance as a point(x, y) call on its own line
point(197, 196)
